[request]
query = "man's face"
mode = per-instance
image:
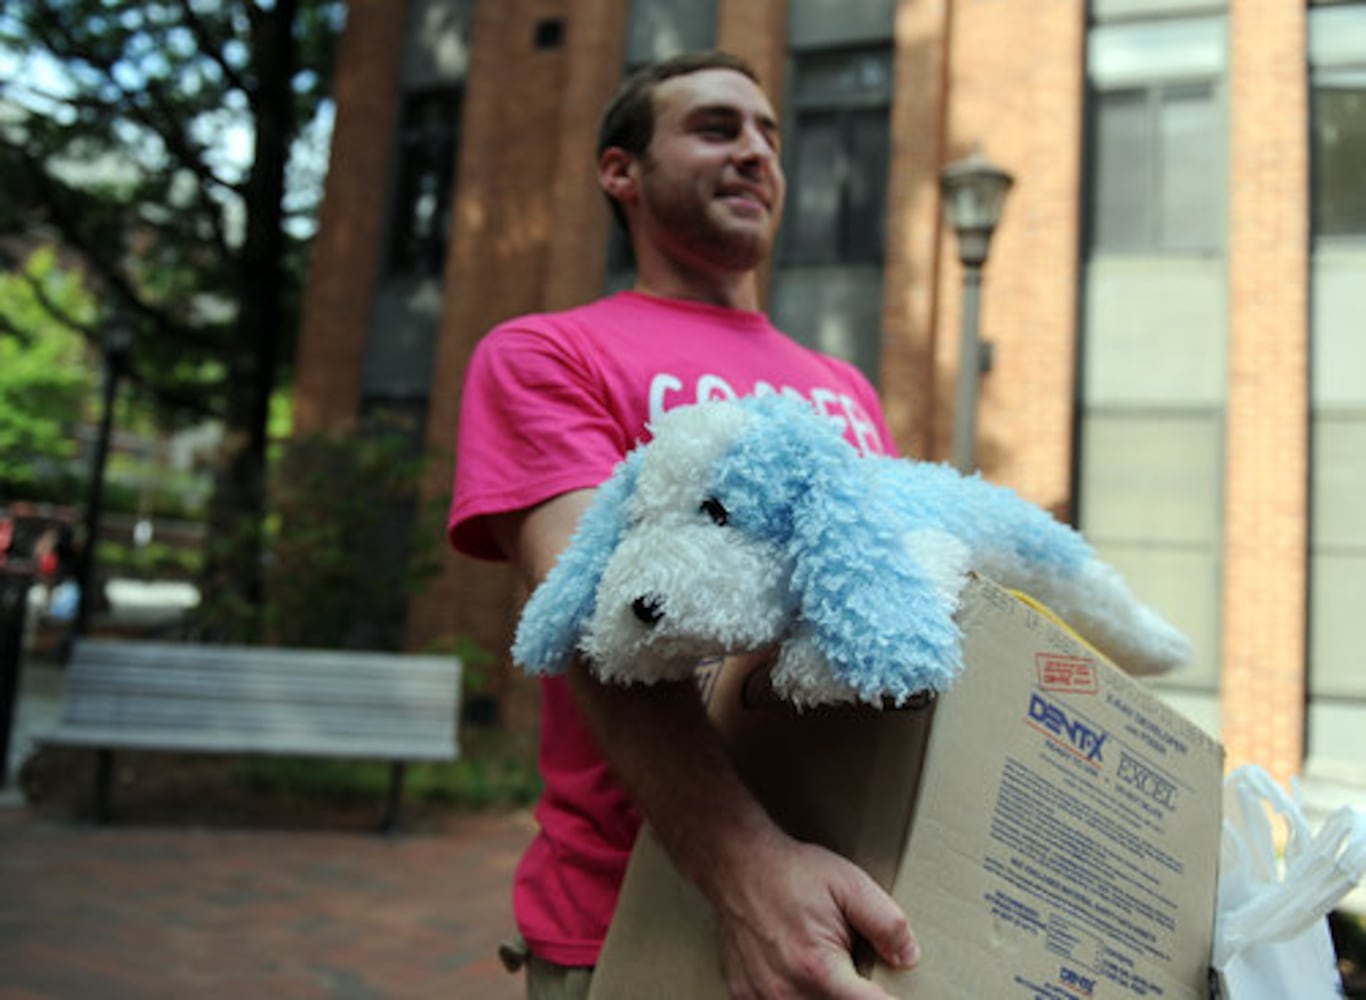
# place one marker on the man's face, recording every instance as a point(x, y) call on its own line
point(711, 185)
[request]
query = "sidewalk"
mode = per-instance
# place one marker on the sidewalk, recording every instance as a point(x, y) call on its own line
point(122, 912)
point(141, 912)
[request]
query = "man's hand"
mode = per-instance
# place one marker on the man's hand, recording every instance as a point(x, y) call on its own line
point(787, 920)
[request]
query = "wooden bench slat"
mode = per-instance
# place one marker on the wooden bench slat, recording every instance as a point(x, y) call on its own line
point(176, 711)
point(235, 742)
point(301, 668)
point(141, 652)
point(341, 726)
point(297, 663)
point(379, 692)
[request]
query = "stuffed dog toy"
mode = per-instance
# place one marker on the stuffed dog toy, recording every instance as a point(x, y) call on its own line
point(749, 524)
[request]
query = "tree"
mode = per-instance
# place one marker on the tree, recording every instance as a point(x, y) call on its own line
point(44, 377)
point(343, 580)
point(157, 141)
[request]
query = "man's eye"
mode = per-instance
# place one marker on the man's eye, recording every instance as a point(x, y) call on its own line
point(715, 510)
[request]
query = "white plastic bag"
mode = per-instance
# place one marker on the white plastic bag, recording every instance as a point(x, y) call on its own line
point(1271, 939)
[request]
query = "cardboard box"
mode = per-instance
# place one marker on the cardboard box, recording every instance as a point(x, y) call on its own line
point(1050, 827)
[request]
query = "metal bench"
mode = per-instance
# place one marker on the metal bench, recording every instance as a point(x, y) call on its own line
point(258, 700)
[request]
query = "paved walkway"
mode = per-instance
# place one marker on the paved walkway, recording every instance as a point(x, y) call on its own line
point(123, 912)
point(147, 912)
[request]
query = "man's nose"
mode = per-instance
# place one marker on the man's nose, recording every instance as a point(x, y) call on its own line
point(754, 146)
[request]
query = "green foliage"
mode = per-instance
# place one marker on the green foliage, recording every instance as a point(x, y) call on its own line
point(225, 614)
point(496, 769)
point(476, 662)
point(343, 533)
point(111, 144)
point(143, 487)
point(176, 148)
point(45, 378)
point(153, 561)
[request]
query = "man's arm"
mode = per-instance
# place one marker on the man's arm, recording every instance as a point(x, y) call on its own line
point(787, 911)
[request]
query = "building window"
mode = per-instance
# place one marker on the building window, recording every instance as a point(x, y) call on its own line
point(1153, 353)
point(1338, 134)
point(1337, 561)
point(1157, 179)
point(837, 150)
point(1156, 183)
point(428, 141)
point(657, 29)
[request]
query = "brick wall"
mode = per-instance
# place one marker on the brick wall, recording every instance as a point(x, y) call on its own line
point(346, 252)
point(756, 30)
point(1266, 515)
point(910, 390)
point(528, 233)
point(1023, 104)
point(577, 258)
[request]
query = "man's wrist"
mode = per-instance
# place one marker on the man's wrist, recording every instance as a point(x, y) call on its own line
point(740, 848)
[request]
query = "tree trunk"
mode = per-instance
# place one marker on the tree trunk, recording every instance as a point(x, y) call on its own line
point(233, 573)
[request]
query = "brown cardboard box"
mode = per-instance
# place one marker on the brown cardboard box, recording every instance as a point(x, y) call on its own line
point(1050, 827)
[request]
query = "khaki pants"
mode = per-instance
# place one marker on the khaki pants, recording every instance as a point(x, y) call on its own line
point(545, 980)
point(548, 981)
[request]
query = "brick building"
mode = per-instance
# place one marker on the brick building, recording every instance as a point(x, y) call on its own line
point(1171, 297)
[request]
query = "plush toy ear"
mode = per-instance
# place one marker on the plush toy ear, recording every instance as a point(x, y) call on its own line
point(880, 616)
point(553, 619)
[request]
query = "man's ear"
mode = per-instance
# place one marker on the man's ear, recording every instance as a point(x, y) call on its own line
point(617, 174)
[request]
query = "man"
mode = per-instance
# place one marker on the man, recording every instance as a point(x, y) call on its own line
point(689, 159)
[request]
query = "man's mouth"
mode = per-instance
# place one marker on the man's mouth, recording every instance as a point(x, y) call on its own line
point(745, 199)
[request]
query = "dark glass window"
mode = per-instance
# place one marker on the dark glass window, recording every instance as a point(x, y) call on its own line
point(837, 152)
point(658, 29)
point(1339, 153)
point(428, 141)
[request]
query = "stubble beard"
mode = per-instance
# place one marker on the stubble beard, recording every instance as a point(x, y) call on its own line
point(702, 228)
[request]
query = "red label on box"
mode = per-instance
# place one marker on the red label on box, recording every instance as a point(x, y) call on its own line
point(1066, 673)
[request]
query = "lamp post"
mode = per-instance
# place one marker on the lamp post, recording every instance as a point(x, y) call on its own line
point(117, 346)
point(974, 191)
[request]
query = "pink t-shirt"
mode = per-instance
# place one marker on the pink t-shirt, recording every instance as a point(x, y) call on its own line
point(551, 404)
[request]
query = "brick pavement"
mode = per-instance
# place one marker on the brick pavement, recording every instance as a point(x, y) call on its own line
point(139, 912)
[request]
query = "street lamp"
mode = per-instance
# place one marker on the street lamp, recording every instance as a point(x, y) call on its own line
point(117, 347)
point(974, 191)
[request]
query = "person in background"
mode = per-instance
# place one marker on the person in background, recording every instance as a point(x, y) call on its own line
point(688, 156)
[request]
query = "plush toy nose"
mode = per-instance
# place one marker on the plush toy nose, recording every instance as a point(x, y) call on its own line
point(648, 608)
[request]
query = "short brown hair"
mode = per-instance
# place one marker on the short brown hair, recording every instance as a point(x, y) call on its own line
point(629, 121)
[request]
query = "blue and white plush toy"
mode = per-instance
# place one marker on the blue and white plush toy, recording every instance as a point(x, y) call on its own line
point(751, 524)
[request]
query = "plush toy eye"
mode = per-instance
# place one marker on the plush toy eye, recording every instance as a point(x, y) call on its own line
point(714, 509)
